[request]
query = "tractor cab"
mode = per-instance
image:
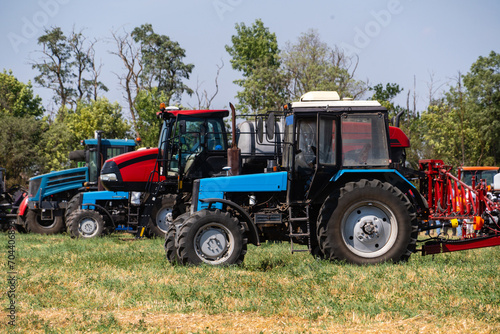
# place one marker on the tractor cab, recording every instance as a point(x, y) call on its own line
point(98, 150)
point(193, 143)
point(324, 135)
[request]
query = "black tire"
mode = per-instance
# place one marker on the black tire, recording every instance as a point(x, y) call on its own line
point(73, 205)
point(205, 229)
point(85, 224)
point(170, 238)
point(20, 224)
point(35, 224)
point(367, 222)
point(162, 214)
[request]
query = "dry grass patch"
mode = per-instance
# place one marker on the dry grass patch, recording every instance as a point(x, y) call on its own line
point(109, 285)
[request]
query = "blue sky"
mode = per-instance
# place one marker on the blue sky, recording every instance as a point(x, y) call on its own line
point(396, 40)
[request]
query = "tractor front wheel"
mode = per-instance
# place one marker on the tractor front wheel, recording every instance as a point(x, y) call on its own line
point(212, 237)
point(170, 238)
point(161, 216)
point(35, 223)
point(85, 224)
point(367, 222)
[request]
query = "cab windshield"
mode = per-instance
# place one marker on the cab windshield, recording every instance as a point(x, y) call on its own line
point(191, 136)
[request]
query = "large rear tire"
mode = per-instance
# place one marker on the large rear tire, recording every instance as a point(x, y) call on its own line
point(170, 238)
point(367, 222)
point(162, 215)
point(35, 224)
point(85, 224)
point(212, 237)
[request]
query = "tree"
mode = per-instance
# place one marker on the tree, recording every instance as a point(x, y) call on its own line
point(19, 151)
point(55, 66)
point(264, 90)
point(97, 115)
point(386, 94)
point(253, 47)
point(147, 103)
point(16, 98)
point(483, 92)
point(163, 63)
point(56, 141)
point(63, 65)
point(255, 53)
point(150, 61)
point(313, 65)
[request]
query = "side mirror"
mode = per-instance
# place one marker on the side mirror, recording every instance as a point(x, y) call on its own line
point(270, 126)
point(260, 130)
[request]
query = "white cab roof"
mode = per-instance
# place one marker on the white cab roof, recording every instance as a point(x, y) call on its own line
point(330, 99)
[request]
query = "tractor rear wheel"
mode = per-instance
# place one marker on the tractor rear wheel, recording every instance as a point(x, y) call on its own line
point(170, 238)
point(367, 222)
point(212, 237)
point(161, 216)
point(85, 224)
point(35, 224)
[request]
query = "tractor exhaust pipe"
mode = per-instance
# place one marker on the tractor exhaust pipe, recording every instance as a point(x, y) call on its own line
point(233, 153)
point(396, 119)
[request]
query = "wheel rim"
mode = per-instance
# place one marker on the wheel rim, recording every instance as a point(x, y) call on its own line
point(214, 243)
point(369, 229)
point(88, 227)
point(47, 223)
point(164, 218)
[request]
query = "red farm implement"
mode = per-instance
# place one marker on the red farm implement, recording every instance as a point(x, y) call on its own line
point(453, 203)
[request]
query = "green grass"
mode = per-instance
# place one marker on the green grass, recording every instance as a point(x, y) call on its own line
point(118, 284)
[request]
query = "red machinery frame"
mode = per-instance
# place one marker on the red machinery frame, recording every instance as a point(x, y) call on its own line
point(449, 198)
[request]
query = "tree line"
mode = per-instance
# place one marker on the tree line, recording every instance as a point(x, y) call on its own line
point(460, 126)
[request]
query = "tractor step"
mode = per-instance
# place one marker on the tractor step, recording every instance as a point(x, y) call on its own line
point(293, 229)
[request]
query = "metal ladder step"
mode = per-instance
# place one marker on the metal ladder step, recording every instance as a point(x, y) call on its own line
point(292, 232)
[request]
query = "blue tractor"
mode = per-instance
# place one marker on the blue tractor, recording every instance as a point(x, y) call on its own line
point(339, 189)
point(53, 196)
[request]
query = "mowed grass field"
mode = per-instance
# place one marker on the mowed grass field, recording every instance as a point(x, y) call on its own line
point(117, 284)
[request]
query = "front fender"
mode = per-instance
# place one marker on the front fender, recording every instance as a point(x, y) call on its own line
point(252, 229)
point(22, 208)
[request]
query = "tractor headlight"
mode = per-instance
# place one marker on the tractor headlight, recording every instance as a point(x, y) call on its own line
point(109, 177)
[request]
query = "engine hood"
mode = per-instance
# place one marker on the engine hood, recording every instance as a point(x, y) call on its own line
point(130, 171)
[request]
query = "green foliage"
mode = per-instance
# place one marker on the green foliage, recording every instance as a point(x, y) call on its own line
point(16, 98)
point(19, 150)
point(483, 88)
point(67, 67)
point(162, 61)
point(313, 65)
point(55, 144)
point(253, 47)
point(463, 127)
point(264, 90)
point(147, 103)
point(55, 67)
point(386, 94)
point(255, 53)
point(97, 115)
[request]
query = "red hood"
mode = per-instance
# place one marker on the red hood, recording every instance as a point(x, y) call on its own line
point(133, 170)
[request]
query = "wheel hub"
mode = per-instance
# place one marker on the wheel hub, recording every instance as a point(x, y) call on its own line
point(164, 218)
point(213, 243)
point(368, 229)
point(88, 226)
